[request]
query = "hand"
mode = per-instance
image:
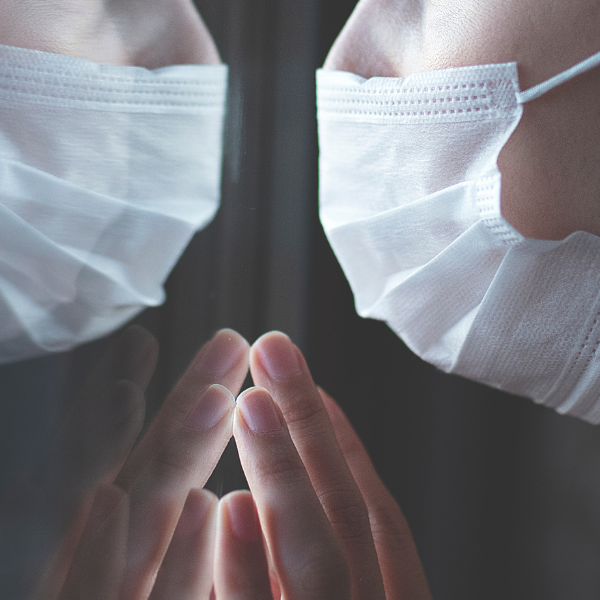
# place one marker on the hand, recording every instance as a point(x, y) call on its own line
point(42, 515)
point(332, 530)
point(149, 33)
point(142, 490)
point(100, 565)
point(177, 454)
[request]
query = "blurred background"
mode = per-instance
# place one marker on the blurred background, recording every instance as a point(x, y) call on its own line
point(503, 496)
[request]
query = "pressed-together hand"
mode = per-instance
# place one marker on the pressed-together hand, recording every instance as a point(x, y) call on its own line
point(136, 496)
point(332, 530)
point(141, 528)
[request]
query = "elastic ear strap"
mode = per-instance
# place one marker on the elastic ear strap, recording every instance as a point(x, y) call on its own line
point(538, 90)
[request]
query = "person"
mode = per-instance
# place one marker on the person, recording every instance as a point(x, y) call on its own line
point(95, 516)
point(133, 523)
point(128, 98)
point(129, 523)
point(550, 188)
point(66, 521)
point(453, 214)
point(331, 528)
point(396, 38)
point(149, 35)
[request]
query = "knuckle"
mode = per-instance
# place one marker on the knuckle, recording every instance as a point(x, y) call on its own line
point(174, 459)
point(279, 469)
point(387, 520)
point(347, 513)
point(303, 411)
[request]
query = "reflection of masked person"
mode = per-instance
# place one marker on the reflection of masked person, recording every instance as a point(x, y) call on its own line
point(106, 171)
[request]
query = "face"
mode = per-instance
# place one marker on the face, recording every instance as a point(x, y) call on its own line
point(551, 183)
point(149, 34)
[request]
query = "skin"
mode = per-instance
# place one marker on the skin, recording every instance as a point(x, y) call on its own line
point(331, 529)
point(318, 523)
point(96, 491)
point(551, 182)
point(123, 521)
point(363, 547)
point(149, 34)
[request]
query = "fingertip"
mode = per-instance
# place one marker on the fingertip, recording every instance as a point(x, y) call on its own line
point(226, 351)
point(269, 335)
point(135, 354)
point(239, 515)
point(241, 567)
point(140, 336)
point(207, 495)
point(276, 355)
point(224, 391)
point(216, 403)
point(257, 411)
point(233, 336)
point(198, 507)
point(256, 348)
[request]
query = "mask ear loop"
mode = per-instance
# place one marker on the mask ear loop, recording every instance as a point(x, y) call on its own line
point(538, 90)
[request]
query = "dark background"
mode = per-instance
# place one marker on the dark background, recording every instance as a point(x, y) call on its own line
point(503, 496)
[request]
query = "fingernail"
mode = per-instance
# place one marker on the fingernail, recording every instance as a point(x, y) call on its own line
point(216, 402)
point(243, 517)
point(278, 356)
point(219, 355)
point(258, 410)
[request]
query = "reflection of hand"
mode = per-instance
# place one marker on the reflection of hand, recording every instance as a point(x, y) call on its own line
point(145, 488)
point(100, 568)
point(331, 527)
point(178, 453)
point(149, 33)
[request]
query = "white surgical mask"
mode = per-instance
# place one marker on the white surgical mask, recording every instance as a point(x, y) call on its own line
point(410, 202)
point(106, 172)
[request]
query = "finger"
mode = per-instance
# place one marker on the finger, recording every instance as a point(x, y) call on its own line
point(100, 429)
point(223, 360)
point(47, 514)
point(103, 424)
point(402, 572)
point(278, 365)
point(241, 570)
point(159, 493)
point(97, 568)
point(304, 550)
point(186, 572)
point(95, 443)
point(131, 355)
